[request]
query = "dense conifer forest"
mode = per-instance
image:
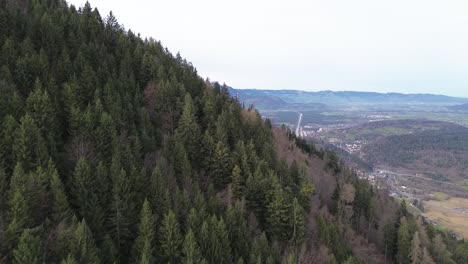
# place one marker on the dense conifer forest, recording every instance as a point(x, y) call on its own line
point(114, 150)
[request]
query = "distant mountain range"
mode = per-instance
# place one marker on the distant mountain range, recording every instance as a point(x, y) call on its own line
point(274, 99)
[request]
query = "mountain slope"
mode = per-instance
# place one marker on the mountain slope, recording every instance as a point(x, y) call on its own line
point(113, 150)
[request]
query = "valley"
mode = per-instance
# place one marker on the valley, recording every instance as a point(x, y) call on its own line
point(414, 147)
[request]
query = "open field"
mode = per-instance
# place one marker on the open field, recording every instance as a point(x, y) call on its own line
point(451, 213)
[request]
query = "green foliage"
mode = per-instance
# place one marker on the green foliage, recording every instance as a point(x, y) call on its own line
point(190, 250)
point(143, 247)
point(404, 242)
point(29, 249)
point(95, 120)
point(461, 253)
point(170, 239)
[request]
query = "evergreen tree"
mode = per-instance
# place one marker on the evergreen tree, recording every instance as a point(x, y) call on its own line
point(461, 253)
point(441, 254)
point(3, 190)
point(170, 239)
point(60, 206)
point(298, 224)
point(83, 246)
point(236, 180)
point(121, 213)
point(221, 166)
point(238, 232)
point(416, 253)
point(8, 136)
point(84, 188)
point(188, 131)
point(190, 251)
point(40, 107)
point(159, 193)
point(29, 147)
point(404, 243)
point(426, 257)
point(19, 215)
point(143, 247)
point(29, 249)
point(69, 260)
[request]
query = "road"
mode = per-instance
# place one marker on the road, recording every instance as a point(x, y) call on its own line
point(415, 176)
point(298, 127)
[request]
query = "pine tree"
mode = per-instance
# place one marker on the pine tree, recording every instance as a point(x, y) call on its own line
point(190, 251)
point(29, 249)
point(143, 247)
point(170, 239)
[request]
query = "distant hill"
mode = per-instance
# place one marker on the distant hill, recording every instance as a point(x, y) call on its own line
point(462, 107)
point(288, 98)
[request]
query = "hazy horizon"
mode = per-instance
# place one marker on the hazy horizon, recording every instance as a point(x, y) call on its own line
point(353, 91)
point(398, 46)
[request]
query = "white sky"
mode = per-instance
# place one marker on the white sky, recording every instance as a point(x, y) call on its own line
point(411, 46)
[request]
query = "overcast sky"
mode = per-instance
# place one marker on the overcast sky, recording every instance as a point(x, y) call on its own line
point(410, 46)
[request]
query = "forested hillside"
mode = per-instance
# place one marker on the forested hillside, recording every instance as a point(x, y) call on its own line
point(113, 150)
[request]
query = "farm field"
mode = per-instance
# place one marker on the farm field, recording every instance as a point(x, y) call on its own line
point(451, 213)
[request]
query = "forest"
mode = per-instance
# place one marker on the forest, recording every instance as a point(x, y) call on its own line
point(114, 150)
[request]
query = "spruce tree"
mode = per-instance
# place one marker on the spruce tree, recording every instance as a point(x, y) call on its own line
point(236, 180)
point(143, 247)
point(415, 254)
point(84, 189)
point(7, 139)
point(190, 251)
point(238, 232)
point(170, 239)
point(221, 166)
point(69, 260)
point(298, 224)
point(3, 190)
point(83, 246)
point(188, 131)
point(60, 205)
point(29, 249)
point(159, 193)
point(404, 242)
point(121, 213)
point(29, 147)
point(20, 217)
point(426, 257)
